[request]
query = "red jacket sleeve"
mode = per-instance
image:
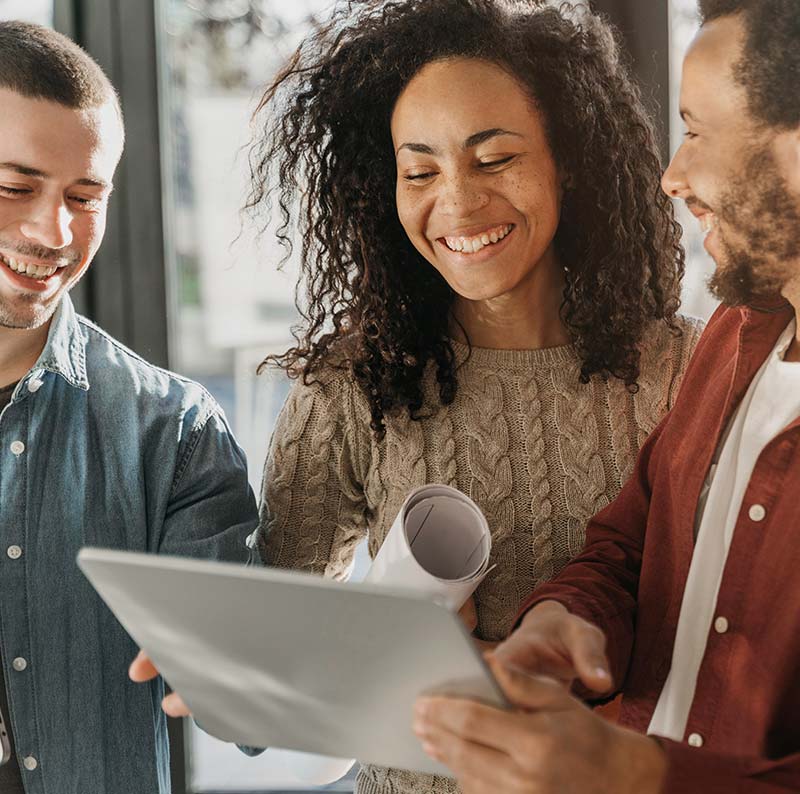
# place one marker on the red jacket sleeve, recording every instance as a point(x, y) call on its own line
point(697, 771)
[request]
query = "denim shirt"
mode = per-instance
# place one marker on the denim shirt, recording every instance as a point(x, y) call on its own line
point(99, 448)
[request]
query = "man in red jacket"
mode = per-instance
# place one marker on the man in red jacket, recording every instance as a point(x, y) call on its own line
point(686, 597)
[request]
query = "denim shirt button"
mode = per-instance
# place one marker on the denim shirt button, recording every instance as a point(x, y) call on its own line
point(14, 552)
point(34, 385)
point(19, 664)
point(17, 447)
point(30, 763)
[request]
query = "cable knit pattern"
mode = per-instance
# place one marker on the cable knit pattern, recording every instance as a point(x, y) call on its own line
point(579, 453)
point(624, 435)
point(540, 536)
point(536, 449)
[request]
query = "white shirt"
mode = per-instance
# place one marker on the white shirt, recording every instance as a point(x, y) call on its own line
point(771, 404)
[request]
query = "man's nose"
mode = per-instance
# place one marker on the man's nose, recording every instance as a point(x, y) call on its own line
point(49, 224)
point(674, 182)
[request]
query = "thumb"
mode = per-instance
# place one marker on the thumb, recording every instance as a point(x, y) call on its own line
point(142, 669)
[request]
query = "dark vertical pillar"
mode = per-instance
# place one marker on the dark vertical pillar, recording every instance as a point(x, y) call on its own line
point(644, 25)
point(125, 289)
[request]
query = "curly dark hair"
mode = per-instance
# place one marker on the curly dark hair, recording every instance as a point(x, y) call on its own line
point(769, 68)
point(326, 151)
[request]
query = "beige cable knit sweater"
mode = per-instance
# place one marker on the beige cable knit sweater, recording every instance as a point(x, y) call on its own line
point(538, 451)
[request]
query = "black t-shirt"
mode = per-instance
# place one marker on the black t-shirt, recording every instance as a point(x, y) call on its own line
point(10, 773)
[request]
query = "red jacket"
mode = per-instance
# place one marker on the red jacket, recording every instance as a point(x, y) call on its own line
point(630, 577)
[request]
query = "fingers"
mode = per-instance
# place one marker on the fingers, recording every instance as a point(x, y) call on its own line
point(516, 651)
point(533, 659)
point(551, 641)
point(466, 719)
point(174, 706)
point(478, 768)
point(536, 646)
point(530, 692)
point(586, 646)
point(485, 647)
point(142, 669)
point(469, 615)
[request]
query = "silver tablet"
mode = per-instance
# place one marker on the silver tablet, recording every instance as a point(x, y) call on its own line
point(273, 658)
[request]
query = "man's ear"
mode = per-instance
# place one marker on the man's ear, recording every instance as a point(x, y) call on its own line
point(787, 150)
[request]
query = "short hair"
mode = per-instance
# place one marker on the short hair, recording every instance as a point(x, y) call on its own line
point(40, 63)
point(769, 69)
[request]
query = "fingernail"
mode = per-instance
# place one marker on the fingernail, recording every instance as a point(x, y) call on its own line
point(601, 672)
point(430, 750)
point(421, 708)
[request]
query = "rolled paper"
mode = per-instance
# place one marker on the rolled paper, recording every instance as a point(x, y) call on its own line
point(439, 544)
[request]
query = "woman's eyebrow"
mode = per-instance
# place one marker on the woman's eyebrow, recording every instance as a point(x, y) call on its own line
point(419, 148)
point(476, 139)
point(485, 135)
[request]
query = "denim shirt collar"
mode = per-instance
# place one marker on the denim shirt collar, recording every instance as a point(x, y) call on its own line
point(65, 350)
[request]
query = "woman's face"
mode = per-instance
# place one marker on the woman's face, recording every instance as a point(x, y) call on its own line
point(478, 190)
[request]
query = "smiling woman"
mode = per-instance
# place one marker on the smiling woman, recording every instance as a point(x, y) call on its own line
point(490, 277)
point(482, 210)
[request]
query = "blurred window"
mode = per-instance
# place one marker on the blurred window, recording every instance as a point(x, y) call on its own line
point(229, 304)
point(38, 11)
point(697, 301)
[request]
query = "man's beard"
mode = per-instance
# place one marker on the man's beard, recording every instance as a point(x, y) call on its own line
point(765, 216)
point(34, 315)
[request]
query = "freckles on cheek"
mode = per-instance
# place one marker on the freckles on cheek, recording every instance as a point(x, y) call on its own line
point(412, 218)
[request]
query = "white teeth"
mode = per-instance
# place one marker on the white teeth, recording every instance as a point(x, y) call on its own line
point(471, 245)
point(28, 268)
point(708, 222)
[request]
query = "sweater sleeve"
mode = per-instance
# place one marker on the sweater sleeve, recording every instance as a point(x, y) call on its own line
point(313, 507)
point(693, 770)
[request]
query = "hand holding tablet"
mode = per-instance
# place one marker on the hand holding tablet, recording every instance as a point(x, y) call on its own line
point(282, 659)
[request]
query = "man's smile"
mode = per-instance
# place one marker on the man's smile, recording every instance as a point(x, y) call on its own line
point(38, 271)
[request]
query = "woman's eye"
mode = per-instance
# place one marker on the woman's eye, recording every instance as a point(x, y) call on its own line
point(13, 191)
point(419, 177)
point(495, 163)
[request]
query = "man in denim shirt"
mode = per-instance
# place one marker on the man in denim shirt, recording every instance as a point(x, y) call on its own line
point(97, 447)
